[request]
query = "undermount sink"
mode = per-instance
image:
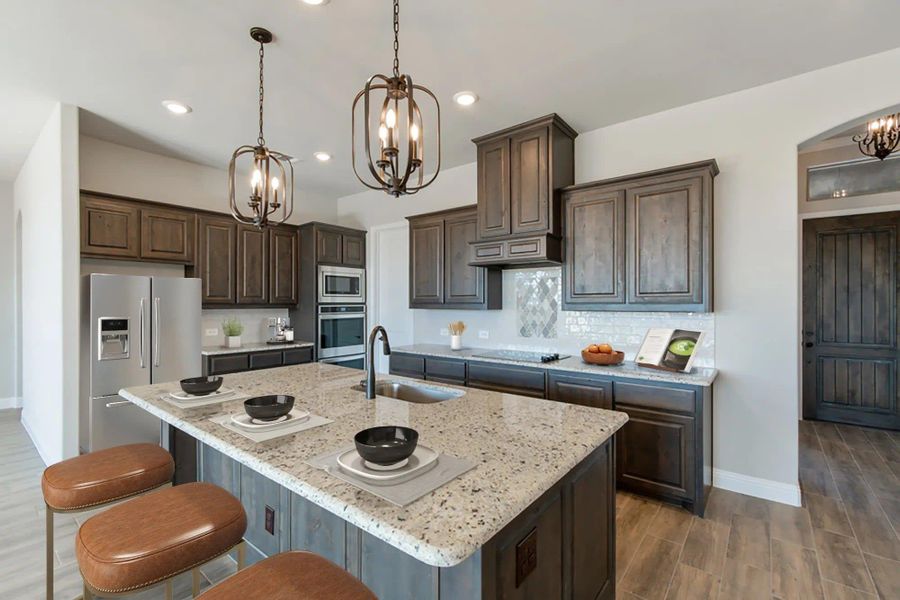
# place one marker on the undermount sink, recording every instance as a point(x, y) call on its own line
point(419, 394)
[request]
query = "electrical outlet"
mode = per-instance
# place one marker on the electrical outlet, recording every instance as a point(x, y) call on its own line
point(526, 556)
point(445, 332)
point(270, 520)
point(212, 331)
point(484, 334)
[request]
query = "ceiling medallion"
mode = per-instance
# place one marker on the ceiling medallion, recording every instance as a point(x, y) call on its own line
point(398, 166)
point(881, 136)
point(272, 174)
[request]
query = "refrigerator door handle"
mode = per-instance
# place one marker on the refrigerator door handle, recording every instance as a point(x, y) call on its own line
point(156, 331)
point(141, 327)
point(117, 403)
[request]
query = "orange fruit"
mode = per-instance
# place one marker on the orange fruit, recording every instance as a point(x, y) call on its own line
point(605, 349)
point(593, 349)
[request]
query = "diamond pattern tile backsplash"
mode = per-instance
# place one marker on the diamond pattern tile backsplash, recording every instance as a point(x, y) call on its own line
point(532, 319)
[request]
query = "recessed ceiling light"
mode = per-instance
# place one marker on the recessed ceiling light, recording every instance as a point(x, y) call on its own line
point(465, 98)
point(315, 2)
point(175, 107)
point(322, 156)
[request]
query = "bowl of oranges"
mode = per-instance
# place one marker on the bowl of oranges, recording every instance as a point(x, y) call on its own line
point(602, 354)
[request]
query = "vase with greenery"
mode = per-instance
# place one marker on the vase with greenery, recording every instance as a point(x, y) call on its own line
point(233, 328)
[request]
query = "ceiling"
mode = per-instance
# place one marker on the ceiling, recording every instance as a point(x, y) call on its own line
point(594, 62)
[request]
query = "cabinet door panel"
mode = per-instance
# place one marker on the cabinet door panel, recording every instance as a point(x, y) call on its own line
point(252, 266)
point(317, 530)
point(267, 505)
point(426, 264)
point(109, 228)
point(217, 259)
point(665, 228)
point(530, 181)
point(408, 365)
point(501, 378)
point(595, 247)
point(653, 452)
point(446, 370)
point(493, 189)
point(265, 360)
point(227, 363)
point(329, 246)
point(354, 250)
point(593, 533)
point(463, 284)
point(298, 356)
point(585, 391)
point(285, 262)
point(167, 235)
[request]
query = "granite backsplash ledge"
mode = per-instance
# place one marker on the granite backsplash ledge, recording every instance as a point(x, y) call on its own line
point(532, 319)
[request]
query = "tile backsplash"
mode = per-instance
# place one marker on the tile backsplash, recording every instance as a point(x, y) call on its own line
point(255, 320)
point(533, 319)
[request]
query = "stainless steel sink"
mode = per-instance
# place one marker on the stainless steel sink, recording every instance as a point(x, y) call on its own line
point(418, 394)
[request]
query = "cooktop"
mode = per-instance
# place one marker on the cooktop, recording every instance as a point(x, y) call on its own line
point(521, 356)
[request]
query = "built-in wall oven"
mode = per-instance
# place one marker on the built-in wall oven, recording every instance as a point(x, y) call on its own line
point(342, 331)
point(341, 285)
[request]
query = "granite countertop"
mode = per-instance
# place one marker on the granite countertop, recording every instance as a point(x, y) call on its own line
point(628, 369)
point(252, 347)
point(521, 447)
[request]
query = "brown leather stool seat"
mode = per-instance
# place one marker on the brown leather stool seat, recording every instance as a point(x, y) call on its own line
point(291, 576)
point(157, 536)
point(106, 475)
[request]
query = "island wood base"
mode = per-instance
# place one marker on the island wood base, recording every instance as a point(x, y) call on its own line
point(562, 546)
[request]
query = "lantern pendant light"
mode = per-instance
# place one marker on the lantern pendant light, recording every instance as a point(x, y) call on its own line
point(271, 185)
point(881, 137)
point(397, 166)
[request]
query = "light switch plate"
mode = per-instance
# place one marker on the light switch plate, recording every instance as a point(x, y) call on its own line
point(212, 331)
point(483, 334)
point(445, 332)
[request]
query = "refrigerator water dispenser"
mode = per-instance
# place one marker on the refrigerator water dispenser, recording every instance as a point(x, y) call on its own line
point(114, 343)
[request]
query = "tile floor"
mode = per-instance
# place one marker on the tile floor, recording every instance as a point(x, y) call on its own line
point(842, 544)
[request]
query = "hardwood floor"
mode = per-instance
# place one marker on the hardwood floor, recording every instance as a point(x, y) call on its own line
point(842, 544)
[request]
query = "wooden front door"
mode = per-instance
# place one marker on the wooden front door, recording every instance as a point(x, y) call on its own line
point(850, 319)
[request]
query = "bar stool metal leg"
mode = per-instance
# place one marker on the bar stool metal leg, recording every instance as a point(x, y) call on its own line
point(169, 594)
point(195, 582)
point(50, 561)
point(86, 594)
point(241, 551)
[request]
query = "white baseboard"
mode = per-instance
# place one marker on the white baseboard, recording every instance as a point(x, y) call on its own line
point(37, 445)
point(11, 402)
point(767, 489)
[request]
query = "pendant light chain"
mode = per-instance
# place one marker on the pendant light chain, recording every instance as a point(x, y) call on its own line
point(262, 52)
point(396, 38)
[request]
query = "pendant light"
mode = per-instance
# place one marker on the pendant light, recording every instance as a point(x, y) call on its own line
point(881, 137)
point(271, 185)
point(396, 131)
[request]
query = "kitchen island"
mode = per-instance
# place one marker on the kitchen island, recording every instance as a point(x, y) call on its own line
point(534, 518)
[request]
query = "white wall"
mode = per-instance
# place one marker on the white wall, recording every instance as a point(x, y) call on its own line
point(116, 169)
point(8, 394)
point(754, 135)
point(46, 197)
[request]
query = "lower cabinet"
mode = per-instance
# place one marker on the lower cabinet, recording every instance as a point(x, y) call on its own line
point(268, 507)
point(222, 364)
point(523, 381)
point(583, 390)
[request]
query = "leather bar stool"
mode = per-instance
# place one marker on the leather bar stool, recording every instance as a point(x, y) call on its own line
point(291, 576)
point(99, 478)
point(151, 539)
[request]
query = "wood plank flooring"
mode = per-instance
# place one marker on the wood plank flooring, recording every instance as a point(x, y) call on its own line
point(842, 544)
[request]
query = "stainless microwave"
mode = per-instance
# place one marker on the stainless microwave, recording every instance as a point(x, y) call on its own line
point(342, 285)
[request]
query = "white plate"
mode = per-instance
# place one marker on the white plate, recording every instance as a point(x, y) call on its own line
point(421, 461)
point(244, 421)
point(185, 397)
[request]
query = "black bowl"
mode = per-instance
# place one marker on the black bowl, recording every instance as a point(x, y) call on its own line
point(386, 445)
point(201, 386)
point(268, 408)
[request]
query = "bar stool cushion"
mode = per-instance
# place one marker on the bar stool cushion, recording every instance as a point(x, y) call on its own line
point(106, 475)
point(157, 536)
point(291, 576)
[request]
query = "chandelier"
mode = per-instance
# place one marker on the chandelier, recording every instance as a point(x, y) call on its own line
point(398, 165)
point(272, 174)
point(881, 137)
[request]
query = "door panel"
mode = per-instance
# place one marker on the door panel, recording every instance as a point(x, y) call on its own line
point(175, 306)
point(167, 235)
point(329, 246)
point(850, 319)
point(426, 247)
point(529, 186)
point(493, 189)
point(217, 259)
point(252, 266)
point(463, 284)
point(285, 260)
point(354, 250)
point(109, 228)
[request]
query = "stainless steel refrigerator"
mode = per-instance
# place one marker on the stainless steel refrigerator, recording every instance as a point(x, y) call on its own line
point(134, 331)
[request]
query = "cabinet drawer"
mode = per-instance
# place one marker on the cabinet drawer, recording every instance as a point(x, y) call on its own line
point(652, 396)
point(489, 250)
point(526, 248)
point(408, 365)
point(582, 390)
point(265, 360)
point(228, 363)
point(298, 356)
point(446, 370)
point(513, 380)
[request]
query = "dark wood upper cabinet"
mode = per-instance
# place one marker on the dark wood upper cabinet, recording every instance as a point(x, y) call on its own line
point(353, 250)
point(167, 235)
point(217, 259)
point(284, 261)
point(334, 245)
point(329, 246)
point(252, 265)
point(520, 170)
point(641, 242)
point(109, 228)
point(440, 275)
